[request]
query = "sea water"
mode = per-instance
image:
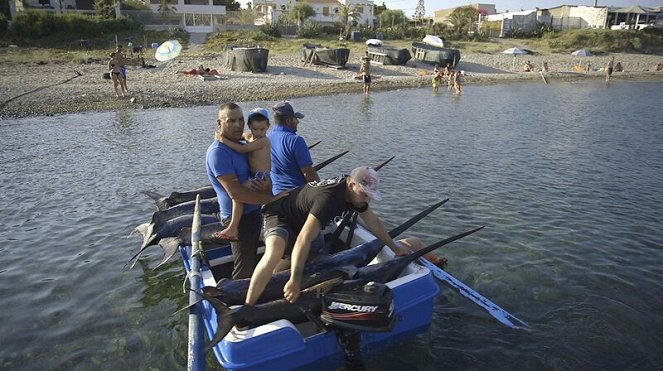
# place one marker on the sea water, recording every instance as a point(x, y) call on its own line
point(566, 178)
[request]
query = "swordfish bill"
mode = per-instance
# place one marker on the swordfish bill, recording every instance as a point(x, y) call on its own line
point(233, 292)
point(328, 161)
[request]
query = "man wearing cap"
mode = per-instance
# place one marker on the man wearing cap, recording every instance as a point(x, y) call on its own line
point(227, 170)
point(292, 165)
point(293, 225)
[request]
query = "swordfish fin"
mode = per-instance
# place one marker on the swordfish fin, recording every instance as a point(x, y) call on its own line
point(159, 200)
point(169, 246)
point(403, 227)
point(225, 320)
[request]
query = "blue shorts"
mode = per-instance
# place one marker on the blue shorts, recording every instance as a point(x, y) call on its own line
point(123, 71)
point(262, 175)
point(367, 79)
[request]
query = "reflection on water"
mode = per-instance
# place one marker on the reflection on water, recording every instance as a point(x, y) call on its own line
point(565, 176)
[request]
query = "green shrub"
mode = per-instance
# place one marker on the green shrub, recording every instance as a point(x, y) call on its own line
point(309, 30)
point(36, 24)
point(270, 29)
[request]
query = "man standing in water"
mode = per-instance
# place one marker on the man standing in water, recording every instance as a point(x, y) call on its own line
point(608, 68)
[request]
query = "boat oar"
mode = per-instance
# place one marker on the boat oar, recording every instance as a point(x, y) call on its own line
point(493, 309)
point(314, 144)
point(328, 161)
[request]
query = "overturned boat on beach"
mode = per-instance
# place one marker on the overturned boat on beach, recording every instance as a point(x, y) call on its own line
point(388, 56)
point(320, 55)
point(246, 59)
point(435, 53)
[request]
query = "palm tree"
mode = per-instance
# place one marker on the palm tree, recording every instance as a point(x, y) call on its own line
point(346, 14)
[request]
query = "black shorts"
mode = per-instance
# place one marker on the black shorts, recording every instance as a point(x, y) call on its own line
point(274, 225)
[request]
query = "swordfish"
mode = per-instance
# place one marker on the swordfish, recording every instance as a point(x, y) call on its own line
point(233, 292)
point(308, 304)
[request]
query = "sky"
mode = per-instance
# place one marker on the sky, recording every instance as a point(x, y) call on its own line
point(408, 6)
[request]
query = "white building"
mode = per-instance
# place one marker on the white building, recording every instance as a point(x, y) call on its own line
point(326, 11)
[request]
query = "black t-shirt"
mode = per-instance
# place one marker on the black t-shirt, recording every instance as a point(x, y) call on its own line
point(324, 199)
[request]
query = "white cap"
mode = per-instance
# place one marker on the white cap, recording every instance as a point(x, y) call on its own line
point(368, 180)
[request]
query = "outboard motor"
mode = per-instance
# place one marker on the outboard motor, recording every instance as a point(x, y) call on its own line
point(363, 308)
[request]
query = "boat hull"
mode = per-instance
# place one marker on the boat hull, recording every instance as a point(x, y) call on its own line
point(435, 55)
point(247, 59)
point(392, 56)
point(325, 56)
point(282, 345)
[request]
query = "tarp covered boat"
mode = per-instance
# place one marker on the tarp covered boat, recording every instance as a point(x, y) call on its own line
point(434, 54)
point(390, 56)
point(317, 54)
point(246, 59)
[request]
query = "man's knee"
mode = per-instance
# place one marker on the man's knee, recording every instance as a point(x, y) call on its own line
point(412, 243)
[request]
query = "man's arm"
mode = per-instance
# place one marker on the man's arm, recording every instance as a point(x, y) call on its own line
point(309, 173)
point(375, 226)
point(244, 195)
point(245, 148)
point(300, 251)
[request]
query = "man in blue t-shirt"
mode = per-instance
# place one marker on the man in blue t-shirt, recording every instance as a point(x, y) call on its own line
point(227, 170)
point(292, 165)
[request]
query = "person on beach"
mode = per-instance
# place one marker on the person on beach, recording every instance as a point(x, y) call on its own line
point(114, 69)
point(588, 67)
point(437, 78)
point(619, 67)
point(456, 79)
point(121, 60)
point(227, 170)
point(450, 78)
point(293, 225)
point(528, 67)
point(365, 72)
point(608, 68)
point(292, 165)
point(545, 67)
point(257, 147)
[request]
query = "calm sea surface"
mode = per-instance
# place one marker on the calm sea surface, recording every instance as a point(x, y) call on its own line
point(567, 178)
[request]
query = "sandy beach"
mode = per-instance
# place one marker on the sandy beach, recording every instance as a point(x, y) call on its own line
point(53, 88)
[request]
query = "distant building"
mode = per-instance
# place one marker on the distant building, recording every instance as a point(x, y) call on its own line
point(524, 21)
point(442, 15)
point(326, 11)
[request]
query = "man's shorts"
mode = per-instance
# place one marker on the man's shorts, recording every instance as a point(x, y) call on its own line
point(367, 79)
point(276, 226)
point(262, 175)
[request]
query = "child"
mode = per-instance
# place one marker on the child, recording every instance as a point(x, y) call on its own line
point(257, 146)
point(365, 72)
point(114, 68)
point(437, 78)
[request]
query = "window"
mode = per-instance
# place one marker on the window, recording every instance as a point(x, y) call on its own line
point(359, 9)
point(325, 11)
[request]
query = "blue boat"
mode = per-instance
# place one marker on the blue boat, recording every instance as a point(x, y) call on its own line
point(282, 345)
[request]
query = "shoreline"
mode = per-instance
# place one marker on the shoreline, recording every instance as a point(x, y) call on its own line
point(64, 88)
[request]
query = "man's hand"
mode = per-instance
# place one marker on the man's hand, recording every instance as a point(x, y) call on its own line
point(261, 185)
point(292, 289)
point(400, 250)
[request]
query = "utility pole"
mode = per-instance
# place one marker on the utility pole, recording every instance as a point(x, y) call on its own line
point(419, 12)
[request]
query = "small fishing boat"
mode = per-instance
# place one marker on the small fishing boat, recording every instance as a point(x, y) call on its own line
point(433, 54)
point(388, 55)
point(246, 59)
point(282, 345)
point(320, 55)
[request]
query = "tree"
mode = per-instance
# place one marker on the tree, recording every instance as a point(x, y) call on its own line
point(462, 19)
point(420, 12)
point(166, 8)
point(378, 9)
point(300, 12)
point(105, 8)
point(391, 17)
point(230, 4)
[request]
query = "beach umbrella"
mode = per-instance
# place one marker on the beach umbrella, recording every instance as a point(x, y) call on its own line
point(582, 53)
point(168, 50)
point(514, 52)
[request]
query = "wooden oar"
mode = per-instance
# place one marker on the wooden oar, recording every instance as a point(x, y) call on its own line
point(493, 309)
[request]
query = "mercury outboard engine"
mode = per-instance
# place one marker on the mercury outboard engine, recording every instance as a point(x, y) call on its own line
point(363, 308)
point(369, 307)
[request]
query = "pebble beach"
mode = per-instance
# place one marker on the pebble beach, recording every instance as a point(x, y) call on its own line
point(54, 88)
